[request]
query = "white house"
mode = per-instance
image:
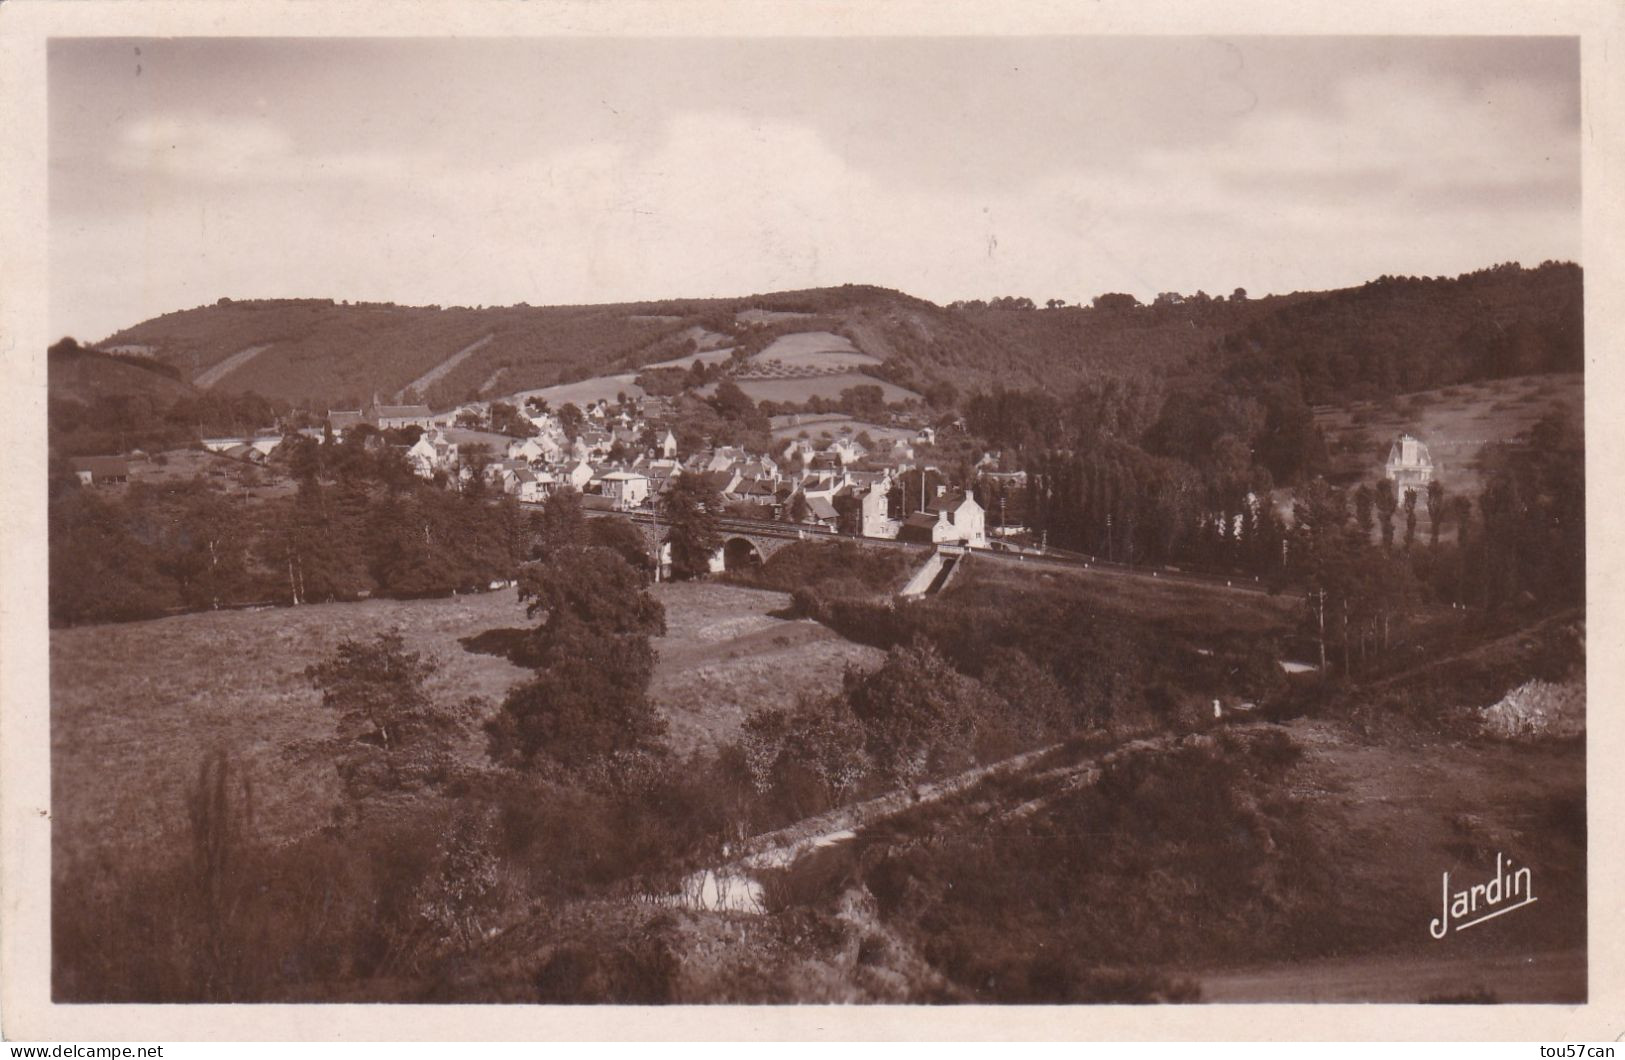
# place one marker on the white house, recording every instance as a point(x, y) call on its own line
point(579, 475)
point(627, 489)
point(1409, 464)
point(668, 445)
point(432, 452)
point(876, 518)
point(847, 451)
point(949, 519)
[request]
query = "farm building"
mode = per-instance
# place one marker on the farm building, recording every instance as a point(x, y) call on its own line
point(101, 470)
point(385, 417)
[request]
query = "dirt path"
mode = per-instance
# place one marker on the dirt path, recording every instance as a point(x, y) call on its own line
point(213, 375)
point(781, 848)
point(422, 383)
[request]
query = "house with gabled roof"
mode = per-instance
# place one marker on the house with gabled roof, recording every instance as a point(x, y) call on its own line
point(959, 519)
point(394, 417)
point(1410, 465)
point(579, 474)
point(101, 470)
point(341, 420)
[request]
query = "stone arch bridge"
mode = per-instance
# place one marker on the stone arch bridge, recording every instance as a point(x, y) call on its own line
point(743, 544)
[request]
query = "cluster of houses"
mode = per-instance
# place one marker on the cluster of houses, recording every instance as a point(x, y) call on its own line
point(619, 461)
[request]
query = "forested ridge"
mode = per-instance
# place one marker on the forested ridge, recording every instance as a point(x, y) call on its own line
point(1392, 334)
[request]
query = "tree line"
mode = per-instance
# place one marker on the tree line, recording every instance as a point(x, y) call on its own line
point(356, 523)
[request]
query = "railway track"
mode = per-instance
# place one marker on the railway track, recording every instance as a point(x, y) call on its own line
point(1043, 560)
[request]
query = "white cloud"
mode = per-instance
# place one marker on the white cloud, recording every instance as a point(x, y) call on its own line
point(1405, 174)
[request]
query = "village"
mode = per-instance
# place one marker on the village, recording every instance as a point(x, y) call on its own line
point(622, 457)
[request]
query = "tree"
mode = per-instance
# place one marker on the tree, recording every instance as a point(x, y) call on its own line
point(474, 458)
point(625, 540)
point(505, 419)
point(1436, 509)
point(807, 760)
point(1410, 518)
point(1320, 552)
point(587, 701)
point(211, 561)
point(1114, 301)
point(390, 735)
point(731, 402)
point(99, 570)
point(918, 713)
point(313, 543)
point(593, 587)
point(571, 419)
point(688, 511)
point(559, 525)
point(1387, 505)
point(1364, 502)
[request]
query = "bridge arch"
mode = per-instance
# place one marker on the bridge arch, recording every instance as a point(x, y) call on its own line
point(740, 552)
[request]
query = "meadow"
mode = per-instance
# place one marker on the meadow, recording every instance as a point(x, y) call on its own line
point(1455, 422)
point(798, 390)
point(833, 424)
point(727, 653)
point(586, 391)
point(139, 705)
point(820, 350)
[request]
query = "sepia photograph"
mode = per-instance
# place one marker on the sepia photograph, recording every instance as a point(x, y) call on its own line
point(696, 520)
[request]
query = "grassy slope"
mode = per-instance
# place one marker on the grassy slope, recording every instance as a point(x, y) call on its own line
point(1455, 422)
point(1393, 815)
point(726, 656)
point(1182, 608)
point(322, 351)
point(836, 423)
point(797, 390)
point(136, 706)
point(86, 375)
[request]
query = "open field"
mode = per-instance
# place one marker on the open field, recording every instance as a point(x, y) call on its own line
point(237, 477)
point(767, 316)
point(824, 386)
point(1184, 607)
point(586, 391)
point(835, 424)
point(138, 705)
point(1455, 422)
point(726, 656)
point(705, 356)
point(822, 350)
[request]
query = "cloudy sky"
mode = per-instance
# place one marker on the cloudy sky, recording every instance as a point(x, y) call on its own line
point(488, 172)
